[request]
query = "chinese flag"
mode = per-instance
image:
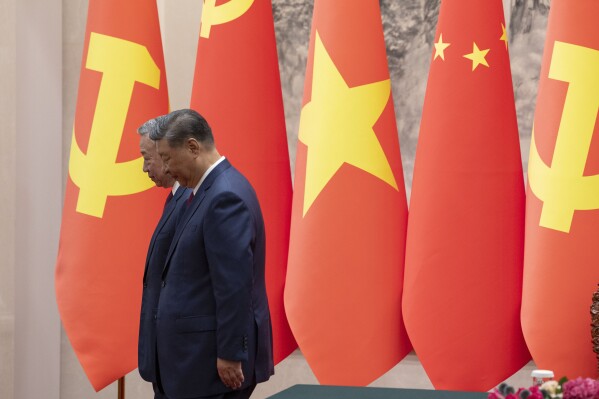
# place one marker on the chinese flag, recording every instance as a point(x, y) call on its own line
point(344, 283)
point(110, 208)
point(561, 262)
point(238, 89)
point(463, 282)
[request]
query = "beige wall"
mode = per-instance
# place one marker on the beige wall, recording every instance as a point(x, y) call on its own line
point(30, 109)
point(41, 45)
point(38, 205)
point(7, 197)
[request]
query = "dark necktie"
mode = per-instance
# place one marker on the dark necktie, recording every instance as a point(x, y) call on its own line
point(168, 199)
point(190, 199)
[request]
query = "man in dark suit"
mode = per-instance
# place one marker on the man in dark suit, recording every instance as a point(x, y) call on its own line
point(157, 251)
point(213, 327)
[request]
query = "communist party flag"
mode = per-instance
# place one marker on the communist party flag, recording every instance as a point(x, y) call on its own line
point(110, 208)
point(237, 88)
point(561, 261)
point(464, 249)
point(348, 224)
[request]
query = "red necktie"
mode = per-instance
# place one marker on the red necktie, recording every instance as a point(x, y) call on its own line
point(190, 199)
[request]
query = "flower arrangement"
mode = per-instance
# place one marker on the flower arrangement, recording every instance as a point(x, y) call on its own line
point(580, 388)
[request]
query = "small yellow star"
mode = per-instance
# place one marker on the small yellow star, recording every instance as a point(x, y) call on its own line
point(503, 35)
point(440, 48)
point(337, 126)
point(477, 56)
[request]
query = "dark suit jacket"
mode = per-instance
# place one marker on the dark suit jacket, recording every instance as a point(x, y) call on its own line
point(213, 299)
point(155, 260)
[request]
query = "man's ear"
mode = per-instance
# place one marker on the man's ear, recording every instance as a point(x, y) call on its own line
point(193, 146)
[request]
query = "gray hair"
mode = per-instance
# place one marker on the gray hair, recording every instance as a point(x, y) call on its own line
point(148, 127)
point(181, 125)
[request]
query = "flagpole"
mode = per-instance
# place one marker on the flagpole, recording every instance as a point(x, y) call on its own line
point(121, 388)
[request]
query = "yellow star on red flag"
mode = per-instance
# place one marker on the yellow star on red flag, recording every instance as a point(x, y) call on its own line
point(440, 48)
point(477, 56)
point(337, 126)
point(503, 35)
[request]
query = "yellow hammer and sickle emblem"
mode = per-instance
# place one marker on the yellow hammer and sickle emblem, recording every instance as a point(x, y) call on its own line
point(97, 174)
point(562, 187)
point(217, 15)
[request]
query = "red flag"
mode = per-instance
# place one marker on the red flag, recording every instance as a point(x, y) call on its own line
point(238, 89)
point(561, 263)
point(343, 293)
point(466, 224)
point(110, 209)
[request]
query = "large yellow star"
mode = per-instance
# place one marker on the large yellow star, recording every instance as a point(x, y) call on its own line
point(337, 126)
point(503, 35)
point(440, 48)
point(477, 56)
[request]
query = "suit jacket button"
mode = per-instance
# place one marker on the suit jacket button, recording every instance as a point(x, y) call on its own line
point(163, 284)
point(145, 285)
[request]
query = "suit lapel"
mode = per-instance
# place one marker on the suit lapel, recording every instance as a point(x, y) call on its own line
point(168, 210)
point(195, 204)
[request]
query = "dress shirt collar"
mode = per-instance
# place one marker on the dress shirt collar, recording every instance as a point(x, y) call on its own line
point(214, 165)
point(175, 187)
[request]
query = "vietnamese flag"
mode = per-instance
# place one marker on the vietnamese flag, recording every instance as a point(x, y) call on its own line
point(561, 261)
point(110, 207)
point(237, 89)
point(463, 281)
point(344, 282)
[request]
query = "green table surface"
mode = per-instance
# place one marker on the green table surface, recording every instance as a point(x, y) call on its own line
point(339, 392)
